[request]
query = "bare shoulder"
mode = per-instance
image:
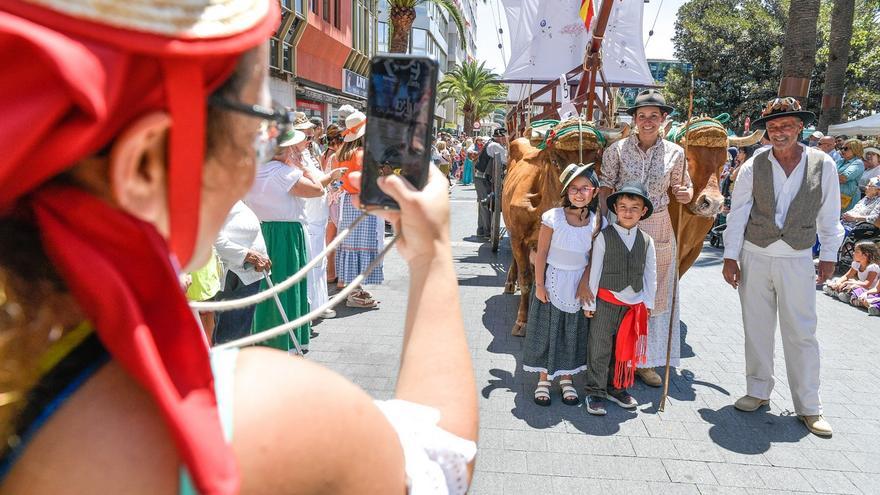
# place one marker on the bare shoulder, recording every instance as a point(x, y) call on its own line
point(108, 437)
point(300, 424)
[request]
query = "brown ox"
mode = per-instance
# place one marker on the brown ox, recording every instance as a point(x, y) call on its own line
point(531, 187)
point(704, 166)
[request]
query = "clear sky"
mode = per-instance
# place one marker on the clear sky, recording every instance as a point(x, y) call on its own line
point(491, 14)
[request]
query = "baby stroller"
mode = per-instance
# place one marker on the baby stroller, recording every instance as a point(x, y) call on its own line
point(861, 232)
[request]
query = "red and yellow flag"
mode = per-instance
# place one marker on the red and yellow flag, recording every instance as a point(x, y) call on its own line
point(586, 12)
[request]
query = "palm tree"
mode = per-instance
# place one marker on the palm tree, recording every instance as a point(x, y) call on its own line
point(472, 86)
point(799, 54)
point(838, 59)
point(402, 14)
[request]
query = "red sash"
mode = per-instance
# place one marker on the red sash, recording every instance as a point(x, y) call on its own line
point(631, 346)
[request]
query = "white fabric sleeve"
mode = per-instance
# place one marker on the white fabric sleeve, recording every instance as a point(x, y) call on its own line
point(828, 226)
point(436, 460)
point(740, 209)
point(231, 253)
point(548, 217)
point(649, 279)
point(597, 258)
point(287, 177)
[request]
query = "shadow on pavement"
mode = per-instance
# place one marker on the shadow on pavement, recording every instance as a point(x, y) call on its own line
point(751, 433)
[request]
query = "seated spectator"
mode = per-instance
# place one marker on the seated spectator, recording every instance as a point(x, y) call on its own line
point(849, 171)
point(861, 275)
point(872, 166)
point(867, 298)
point(867, 209)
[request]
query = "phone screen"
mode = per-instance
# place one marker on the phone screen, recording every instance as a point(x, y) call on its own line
point(400, 117)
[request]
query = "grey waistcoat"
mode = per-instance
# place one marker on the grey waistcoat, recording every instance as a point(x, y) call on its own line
point(799, 230)
point(621, 267)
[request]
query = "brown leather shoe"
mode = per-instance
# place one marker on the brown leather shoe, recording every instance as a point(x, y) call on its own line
point(649, 376)
point(817, 424)
point(748, 403)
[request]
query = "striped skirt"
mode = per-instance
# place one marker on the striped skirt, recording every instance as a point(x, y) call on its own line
point(361, 247)
point(288, 250)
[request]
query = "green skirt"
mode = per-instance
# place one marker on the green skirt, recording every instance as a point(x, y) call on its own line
point(286, 244)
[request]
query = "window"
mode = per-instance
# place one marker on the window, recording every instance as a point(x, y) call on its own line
point(382, 37)
point(326, 10)
point(337, 9)
point(419, 41)
point(442, 59)
point(300, 6)
point(273, 53)
point(313, 6)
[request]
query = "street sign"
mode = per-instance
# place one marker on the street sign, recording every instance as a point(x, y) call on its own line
point(477, 126)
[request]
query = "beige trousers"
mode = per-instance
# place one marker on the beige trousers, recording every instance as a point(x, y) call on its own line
point(785, 287)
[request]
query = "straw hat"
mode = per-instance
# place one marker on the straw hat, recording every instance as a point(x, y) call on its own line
point(301, 122)
point(355, 125)
point(575, 170)
point(189, 19)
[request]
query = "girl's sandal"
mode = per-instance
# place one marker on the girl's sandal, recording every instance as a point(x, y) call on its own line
point(569, 393)
point(542, 393)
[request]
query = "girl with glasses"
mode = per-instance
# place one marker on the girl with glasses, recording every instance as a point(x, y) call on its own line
point(556, 336)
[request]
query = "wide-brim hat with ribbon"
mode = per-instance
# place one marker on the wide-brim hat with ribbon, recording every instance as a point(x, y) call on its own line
point(301, 121)
point(635, 189)
point(355, 126)
point(783, 107)
point(291, 137)
point(650, 98)
point(575, 170)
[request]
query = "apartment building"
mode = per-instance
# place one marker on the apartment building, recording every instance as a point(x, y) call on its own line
point(319, 57)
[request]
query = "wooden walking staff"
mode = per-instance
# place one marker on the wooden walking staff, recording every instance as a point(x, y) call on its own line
point(687, 130)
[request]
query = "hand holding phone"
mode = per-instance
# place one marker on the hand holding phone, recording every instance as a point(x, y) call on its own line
point(400, 117)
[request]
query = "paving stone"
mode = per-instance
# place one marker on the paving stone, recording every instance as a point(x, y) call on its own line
point(688, 471)
point(699, 444)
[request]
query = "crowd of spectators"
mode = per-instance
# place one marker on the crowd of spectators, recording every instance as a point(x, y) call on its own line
point(858, 168)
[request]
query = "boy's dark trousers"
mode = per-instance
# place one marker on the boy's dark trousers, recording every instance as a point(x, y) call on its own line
point(600, 347)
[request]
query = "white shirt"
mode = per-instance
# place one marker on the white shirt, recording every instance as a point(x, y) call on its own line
point(494, 149)
point(317, 209)
point(627, 295)
point(270, 196)
point(785, 188)
point(240, 233)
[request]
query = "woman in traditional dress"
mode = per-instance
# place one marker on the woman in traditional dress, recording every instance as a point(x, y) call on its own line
point(362, 246)
point(317, 214)
point(470, 156)
point(116, 174)
point(278, 198)
point(658, 164)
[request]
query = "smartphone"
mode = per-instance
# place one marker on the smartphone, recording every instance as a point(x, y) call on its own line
point(400, 117)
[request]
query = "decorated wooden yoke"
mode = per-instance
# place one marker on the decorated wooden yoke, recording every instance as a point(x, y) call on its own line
point(709, 132)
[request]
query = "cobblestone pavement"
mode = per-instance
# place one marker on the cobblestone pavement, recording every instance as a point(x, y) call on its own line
point(699, 445)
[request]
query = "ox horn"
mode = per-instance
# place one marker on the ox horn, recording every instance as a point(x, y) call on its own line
point(612, 135)
point(749, 140)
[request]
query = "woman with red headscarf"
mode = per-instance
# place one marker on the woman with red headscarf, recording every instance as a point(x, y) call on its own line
point(130, 130)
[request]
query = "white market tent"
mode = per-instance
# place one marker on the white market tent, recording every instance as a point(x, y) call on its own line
point(868, 126)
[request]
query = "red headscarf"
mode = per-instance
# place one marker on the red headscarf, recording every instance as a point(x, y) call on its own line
point(69, 86)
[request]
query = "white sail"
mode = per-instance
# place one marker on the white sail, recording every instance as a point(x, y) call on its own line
point(548, 38)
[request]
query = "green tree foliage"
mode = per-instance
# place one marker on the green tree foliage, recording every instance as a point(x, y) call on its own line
point(473, 87)
point(735, 48)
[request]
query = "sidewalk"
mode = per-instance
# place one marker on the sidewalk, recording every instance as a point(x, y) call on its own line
point(699, 445)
